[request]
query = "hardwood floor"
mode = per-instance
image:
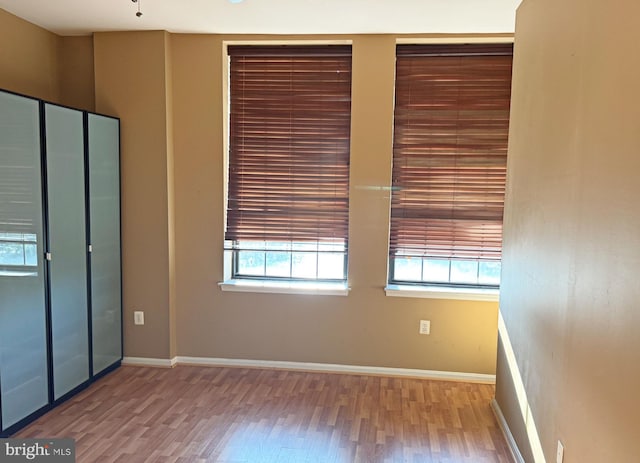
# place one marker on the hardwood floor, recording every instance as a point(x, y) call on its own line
point(236, 415)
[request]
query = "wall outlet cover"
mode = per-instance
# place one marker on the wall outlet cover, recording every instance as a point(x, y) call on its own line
point(425, 327)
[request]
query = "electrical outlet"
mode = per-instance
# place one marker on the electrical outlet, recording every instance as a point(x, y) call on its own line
point(560, 453)
point(425, 327)
point(138, 317)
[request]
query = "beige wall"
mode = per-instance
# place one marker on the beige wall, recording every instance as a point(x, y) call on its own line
point(168, 91)
point(28, 58)
point(131, 75)
point(365, 328)
point(572, 249)
point(40, 64)
point(76, 83)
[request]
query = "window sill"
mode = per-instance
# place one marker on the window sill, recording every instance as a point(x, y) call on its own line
point(17, 273)
point(443, 292)
point(285, 287)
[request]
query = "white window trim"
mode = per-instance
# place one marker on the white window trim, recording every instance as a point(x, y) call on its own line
point(318, 288)
point(240, 285)
point(443, 292)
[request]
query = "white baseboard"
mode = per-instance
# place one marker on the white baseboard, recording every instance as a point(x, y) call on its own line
point(149, 362)
point(504, 426)
point(320, 367)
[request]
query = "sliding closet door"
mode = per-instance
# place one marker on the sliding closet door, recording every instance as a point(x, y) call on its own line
point(104, 220)
point(23, 346)
point(68, 247)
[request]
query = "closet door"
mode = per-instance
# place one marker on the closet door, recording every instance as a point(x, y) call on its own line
point(68, 247)
point(104, 230)
point(23, 340)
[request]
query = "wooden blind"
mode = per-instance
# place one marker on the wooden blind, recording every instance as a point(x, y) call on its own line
point(450, 150)
point(290, 118)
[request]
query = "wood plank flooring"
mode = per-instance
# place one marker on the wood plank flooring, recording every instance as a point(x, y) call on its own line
point(237, 415)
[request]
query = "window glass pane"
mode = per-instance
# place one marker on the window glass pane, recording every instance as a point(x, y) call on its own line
point(304, 264)
point(11, 254)
point(23, 334)
point(250, 263)
point(331, 266)
point(68, 244)
point(436, 270)
point(30, 254)
point(104, 216)
point(18, 249)
point(464, 271)
point(407, 269)
point(278, 264)
point(489, 273)
point(305, 261)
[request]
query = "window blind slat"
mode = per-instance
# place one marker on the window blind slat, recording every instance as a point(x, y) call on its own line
point(290, 119)
point(450, 150)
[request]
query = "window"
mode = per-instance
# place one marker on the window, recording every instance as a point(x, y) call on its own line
point(288, 184)
point(449, 164)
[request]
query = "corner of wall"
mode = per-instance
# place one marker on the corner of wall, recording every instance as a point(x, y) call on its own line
point(131, 81)
point(30, 64)
point(511, 400)
point(76, 72)
point(173, 347)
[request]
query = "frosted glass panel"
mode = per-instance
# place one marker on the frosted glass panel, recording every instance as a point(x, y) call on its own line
point(23, 355)
point(67, 243)
point(104, 194)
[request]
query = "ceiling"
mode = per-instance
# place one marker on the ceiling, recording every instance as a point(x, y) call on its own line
point(79, 17)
